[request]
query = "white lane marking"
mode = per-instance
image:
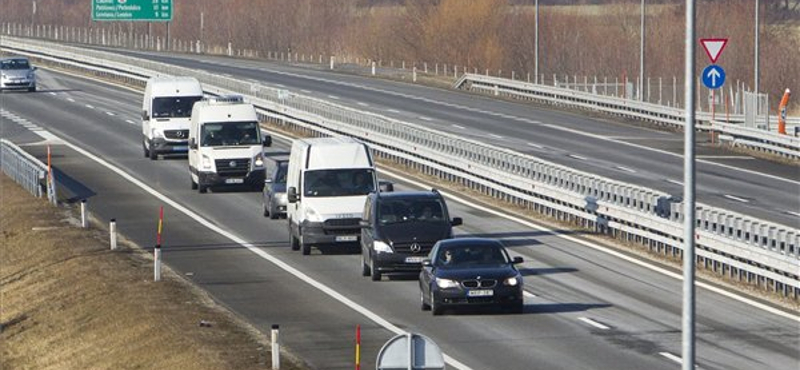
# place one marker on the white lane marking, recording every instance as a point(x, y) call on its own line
point(110, 113)
point(49, 136)
point(671, 357)
point(528, 294)
point(626, 169)
point(425, 118)
point(52, 93)
point(305, 91)
point(280, 85)
point(597, 247)
point(496, 136)
point(732, 197)
point(643, 147)
point(393, 110)
point(536, 145)
point(724, 157)
point(71, 100)
point(129, 121)
point(792, 213)
point(676, 182)
point(333, 97)
point(459, 127)
point(594, 323)
point(578, 157)
point(254, 249)
point(89, 106)
point(363, 104)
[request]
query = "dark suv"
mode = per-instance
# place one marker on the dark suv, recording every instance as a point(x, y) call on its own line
point(399, 229)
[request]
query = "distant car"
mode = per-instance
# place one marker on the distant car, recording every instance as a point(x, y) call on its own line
point(16, 73)
point(399, 229)
point(274, 199)
point(470, 272)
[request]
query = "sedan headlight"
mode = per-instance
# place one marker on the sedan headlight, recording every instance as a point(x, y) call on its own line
point(259, 162)
point(381, 247)
point(512, 281)
point(206, 162)
point(446, 283)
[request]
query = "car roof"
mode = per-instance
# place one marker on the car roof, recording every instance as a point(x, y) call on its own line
point(419, 194)
point(467, 242)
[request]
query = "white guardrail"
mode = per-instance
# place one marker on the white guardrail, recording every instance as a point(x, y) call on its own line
point(26, 170)
point(761, 140)
point(734, 245)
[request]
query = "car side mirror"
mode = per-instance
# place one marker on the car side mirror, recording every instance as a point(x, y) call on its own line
point(268, 180)
point(291, 195)
point(385, 186)
point(427, 262)
point(517, 260)
point(457, 221)
point(364, 224)
point(35, 68)
point(145, 116)
point(267, 141)
point(193, 143)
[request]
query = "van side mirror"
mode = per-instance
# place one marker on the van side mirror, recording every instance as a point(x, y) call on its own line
point(291, 195)
point(457, 221)
point(192, 143)
point(145, 116)
point(267, 141)
point(517, 260)
point(385, 186)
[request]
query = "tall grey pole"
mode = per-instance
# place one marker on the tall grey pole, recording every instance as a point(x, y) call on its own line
point(688, 195)
point(641, 56)
point(755, 56)
point(536, 47)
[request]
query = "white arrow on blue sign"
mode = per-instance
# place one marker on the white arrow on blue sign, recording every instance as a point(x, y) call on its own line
point(713, 76)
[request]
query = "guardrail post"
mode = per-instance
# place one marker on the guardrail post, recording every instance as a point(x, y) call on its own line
point(112, 230)
point(84, 220)
point(276, 347)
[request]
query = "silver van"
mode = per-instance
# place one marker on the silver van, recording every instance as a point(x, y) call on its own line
point(16, 73)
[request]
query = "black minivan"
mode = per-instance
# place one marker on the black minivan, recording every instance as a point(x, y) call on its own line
point(399, 229)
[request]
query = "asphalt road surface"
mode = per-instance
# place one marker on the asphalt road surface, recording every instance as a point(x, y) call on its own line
point(585, 308)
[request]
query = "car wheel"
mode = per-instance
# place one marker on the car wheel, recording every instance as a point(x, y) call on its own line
point(306, 248)
point(365, 270)
point(375, 274)
point(436, 308)
point(273, 213)
point(423, 305)
point(518, 308)
point(266, 211)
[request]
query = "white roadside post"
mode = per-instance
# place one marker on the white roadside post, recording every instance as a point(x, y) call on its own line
point(157, 263)
point(84, 221)
point(276, 347)
point(112, 230)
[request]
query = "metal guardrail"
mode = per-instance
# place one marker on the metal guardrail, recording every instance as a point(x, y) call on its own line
point(762, 140)
point(732, 244)
point(26, 170)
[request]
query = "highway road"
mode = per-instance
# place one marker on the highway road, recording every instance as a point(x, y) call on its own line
point(623, 152)
point(585, 308)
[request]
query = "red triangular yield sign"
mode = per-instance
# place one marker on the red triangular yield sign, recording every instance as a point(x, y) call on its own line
point(714, 48)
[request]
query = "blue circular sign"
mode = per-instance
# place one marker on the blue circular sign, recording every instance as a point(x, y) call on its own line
point(713, 76)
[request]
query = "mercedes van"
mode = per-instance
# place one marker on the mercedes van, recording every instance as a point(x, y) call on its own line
point(226, 146)
point(327, 183)
point(166, 110)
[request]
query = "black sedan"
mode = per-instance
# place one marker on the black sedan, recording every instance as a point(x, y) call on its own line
point(470, 272)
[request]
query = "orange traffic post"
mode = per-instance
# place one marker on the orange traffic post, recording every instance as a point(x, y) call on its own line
point(160, 225)
point(782, 112)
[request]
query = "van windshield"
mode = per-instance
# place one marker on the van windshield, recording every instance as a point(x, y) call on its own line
point(339, 182)
point(393, 211)
point(14, 64)
point(174, 106)
point(230, 134)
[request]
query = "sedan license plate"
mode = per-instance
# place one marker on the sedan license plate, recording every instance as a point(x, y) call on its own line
point(234, 181)
point(414, 259)
point(346, 238)
point(481, 293)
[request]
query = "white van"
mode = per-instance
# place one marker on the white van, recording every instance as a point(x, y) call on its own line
point(327, 184)
point(166, 109)
point(226, 146)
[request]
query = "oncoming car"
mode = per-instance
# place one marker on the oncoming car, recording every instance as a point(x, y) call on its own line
point(470, 272)
point(16, 73)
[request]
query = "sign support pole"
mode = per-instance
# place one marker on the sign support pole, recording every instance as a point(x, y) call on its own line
point(687, 319)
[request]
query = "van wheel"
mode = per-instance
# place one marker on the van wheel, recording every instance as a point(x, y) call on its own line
point(306, 248)
point(153, 154)
point(295, 244)
point(194, 184)
point(202, 189)
point(365, 270)
point(144, 148)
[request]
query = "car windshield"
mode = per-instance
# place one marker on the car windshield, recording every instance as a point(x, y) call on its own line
point(9, 64)
point(486, 254)
point(393, 211)
point(230, 134)
point(280, 175)
point(339, 182)
point(174, 106)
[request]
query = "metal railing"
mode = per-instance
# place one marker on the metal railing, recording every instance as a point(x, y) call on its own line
point(782, 145)
point(26, 170)
point(736, 245)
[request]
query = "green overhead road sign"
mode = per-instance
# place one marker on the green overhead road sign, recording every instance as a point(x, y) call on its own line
point(132, 10)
